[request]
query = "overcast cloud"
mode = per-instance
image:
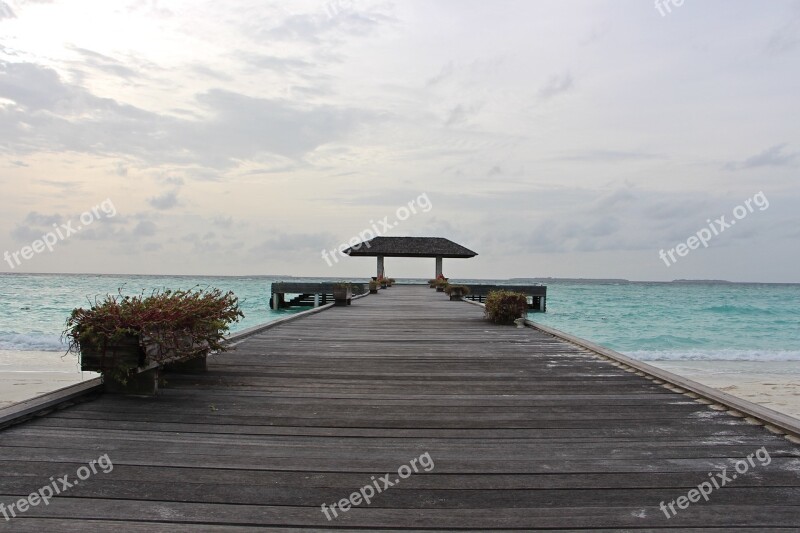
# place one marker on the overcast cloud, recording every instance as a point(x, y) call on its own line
point(567, 139)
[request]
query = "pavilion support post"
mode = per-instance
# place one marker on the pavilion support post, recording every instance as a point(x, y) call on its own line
point(438, 267)
point(380, 266)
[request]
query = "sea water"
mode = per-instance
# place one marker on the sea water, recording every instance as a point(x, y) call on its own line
point(35, 307)
point(647, 321)
point(681, 321)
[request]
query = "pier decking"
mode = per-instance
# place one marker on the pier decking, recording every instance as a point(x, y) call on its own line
point(525, 431)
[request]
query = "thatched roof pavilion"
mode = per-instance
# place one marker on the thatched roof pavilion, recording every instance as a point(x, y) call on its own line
point(436, 247)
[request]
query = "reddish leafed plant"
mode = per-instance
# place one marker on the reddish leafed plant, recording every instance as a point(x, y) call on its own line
point(169, 324)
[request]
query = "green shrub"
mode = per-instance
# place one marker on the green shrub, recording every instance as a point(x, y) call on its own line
point(503, 307)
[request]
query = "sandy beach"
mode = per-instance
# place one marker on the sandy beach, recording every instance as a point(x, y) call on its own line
point(24, 375)
point(773, 384)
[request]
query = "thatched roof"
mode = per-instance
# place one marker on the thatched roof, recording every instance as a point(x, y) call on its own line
point(410, 247)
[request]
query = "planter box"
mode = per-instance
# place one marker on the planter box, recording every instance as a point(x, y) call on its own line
point(456, 295)
point(373, 291)
point(126, 353)
point(439, 289)
point(143, 366)
point(142, 382)
point(342, 295)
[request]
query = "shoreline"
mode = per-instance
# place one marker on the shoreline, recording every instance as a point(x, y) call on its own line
point(773, 384)
point(27, 374)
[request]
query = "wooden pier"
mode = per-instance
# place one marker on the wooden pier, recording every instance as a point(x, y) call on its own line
point(306, 294)
point(525, 431)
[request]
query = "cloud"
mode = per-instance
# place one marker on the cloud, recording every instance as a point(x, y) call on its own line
point(204, 70)
point(593, 156)
point(35, 224)
point(168, 200)
point(63, 185)
point(255, 125)
point(284, 243)
point(556, 85)
point(38, 219)
point(52, 115)
point(105, 63)
point(339, 19)
point(446, 72)
point(38, 88)
point(223, 222)
point(786, 38)
point(145, 228)
point(5, 11)
point(274, 63)
point(461, 113)
point(151, 8)
point(771, 157)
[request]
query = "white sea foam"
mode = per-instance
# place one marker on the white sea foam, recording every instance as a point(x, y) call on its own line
point(715, 355)
point(31, 342)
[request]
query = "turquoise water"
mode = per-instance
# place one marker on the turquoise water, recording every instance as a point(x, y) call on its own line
point(33, 308)
point(677, 321)
point(648, 321)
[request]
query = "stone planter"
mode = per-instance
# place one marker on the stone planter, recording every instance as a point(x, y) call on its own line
point(456, 295)
point(126, 353)
point(342, 295)
point(129, 369)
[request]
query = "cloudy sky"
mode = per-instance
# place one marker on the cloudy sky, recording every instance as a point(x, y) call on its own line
point(555, 138)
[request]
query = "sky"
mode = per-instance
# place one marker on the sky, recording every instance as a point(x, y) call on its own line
point(596, 139)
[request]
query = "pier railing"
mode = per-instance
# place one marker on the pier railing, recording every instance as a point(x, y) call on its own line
point(308, 294)
point(536, 294)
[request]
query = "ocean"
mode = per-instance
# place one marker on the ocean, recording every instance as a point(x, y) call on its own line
point(647, 321)
point(681, 321)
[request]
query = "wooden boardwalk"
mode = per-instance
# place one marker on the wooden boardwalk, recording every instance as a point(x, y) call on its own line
point(525, 432)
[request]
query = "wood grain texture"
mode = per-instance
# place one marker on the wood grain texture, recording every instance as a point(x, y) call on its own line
point(525, 431)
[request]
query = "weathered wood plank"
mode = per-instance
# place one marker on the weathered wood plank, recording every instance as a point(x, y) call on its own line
point(525, 431)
